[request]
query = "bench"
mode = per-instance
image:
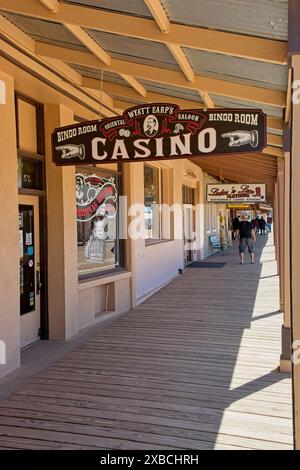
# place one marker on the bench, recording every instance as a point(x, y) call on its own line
point(216, 245)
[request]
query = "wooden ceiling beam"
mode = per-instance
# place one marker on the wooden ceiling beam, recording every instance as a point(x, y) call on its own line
point(26, 44)
point(166, 76)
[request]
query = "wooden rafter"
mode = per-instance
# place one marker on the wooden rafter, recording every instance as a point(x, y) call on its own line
point(166, 76)
point(182, 61)
point(207, 99)
point(102, 55)
point(164, 24)
point(134, 83)
point(238, 45)
point(52, 5)
point(27, 44)
point(89, 43)
point(159, 14)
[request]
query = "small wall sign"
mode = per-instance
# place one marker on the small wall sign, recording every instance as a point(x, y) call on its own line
point(236, 193)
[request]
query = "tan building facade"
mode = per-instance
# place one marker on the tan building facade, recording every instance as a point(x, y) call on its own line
point(46, 252)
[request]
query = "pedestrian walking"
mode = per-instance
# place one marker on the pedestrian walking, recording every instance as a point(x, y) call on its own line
point(247, 238)
point(262, 225)
point(235, 227)
point(269, 222)
point(255, 225)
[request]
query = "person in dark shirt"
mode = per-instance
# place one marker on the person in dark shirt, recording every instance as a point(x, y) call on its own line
point(235, 227)
point(247, 237)
point(262, 225)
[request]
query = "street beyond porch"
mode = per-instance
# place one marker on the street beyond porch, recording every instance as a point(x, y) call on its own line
point(193, 367)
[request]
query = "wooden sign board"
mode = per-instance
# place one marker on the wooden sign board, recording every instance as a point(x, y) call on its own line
point(160, 131)
point(236, 193)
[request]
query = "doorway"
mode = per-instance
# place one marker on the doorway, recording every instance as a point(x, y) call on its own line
point(29, 252)
point(188, 232)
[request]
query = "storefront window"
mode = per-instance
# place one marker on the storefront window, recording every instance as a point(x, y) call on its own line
point(188, 195)
point(152, 202)
point(97, 221)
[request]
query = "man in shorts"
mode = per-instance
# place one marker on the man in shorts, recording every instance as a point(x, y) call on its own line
point(247, 238)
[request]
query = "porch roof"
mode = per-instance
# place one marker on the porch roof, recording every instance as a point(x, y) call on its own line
point(196, 53)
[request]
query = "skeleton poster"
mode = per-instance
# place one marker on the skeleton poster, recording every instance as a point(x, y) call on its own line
point(160, 132)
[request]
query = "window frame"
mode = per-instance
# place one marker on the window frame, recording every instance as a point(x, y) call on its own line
point(109, 271)
point(160, 169)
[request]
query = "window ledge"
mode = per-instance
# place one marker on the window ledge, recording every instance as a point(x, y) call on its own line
point(107, 277)
point(156, 242)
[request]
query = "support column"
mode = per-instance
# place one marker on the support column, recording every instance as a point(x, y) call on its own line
point(128, 190)
point(294, 220)
point(280, 179)
point(9, 232)
point(62, 235)
point(283, 216)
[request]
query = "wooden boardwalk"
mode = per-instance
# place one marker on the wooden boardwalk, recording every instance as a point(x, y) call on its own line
point(193, 367)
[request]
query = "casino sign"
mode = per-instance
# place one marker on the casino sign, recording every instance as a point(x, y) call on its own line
point(160, 131)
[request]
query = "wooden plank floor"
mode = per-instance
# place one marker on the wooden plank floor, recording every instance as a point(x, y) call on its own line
point(193, 367)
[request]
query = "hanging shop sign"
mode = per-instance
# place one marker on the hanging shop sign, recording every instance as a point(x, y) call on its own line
point(160, 131)
point(236, 193)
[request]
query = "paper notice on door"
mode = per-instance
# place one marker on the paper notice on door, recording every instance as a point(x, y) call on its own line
point(28, 238)
point(21, 243)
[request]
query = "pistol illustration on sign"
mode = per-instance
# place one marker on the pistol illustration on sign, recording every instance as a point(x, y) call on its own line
point(238, 138)
point(72, 151)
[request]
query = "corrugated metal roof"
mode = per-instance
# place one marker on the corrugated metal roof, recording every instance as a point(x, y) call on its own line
point(135, 50)
point(263, 18)
point(228, 102)
point(235, 69)
point(132, 7)
point(96, 73)
point(45, 31)
point(170, 91)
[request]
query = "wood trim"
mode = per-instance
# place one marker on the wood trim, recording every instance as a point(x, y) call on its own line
point(274, 151)
point(249, 47)
point(40, 130)
point(275, 140)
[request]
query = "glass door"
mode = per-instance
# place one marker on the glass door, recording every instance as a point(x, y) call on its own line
point(29, 252)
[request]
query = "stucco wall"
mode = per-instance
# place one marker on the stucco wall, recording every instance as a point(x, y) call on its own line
point(9, 246)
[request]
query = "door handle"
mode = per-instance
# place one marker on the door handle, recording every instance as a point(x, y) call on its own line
point(38, 283)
